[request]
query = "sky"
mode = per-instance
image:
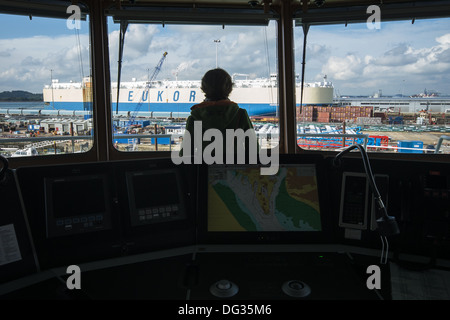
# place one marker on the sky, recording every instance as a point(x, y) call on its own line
point(399, 58)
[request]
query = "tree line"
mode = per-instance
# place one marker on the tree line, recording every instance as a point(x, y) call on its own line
point(19, 95)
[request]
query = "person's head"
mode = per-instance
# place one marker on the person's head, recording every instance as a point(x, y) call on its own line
point(217, 84)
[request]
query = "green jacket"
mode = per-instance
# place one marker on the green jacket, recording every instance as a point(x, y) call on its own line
point(222, 115)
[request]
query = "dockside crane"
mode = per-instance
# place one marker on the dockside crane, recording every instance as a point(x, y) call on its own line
point(147, 88)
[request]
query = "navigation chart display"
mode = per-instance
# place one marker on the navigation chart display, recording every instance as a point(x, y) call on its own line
point(241, 199)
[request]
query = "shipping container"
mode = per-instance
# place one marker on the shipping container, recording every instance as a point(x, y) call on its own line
point(407, 146)
point(165, 141)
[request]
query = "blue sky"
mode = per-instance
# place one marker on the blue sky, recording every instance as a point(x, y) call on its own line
point(399, 58)
point(16, 26)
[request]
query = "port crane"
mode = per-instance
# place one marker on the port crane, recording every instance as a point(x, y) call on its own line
point(147, 88)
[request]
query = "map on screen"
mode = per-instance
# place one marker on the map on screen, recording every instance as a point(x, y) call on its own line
point(241, 199)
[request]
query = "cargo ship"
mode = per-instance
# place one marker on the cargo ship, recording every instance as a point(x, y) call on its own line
point(167, 98)
point(398, 104)
point(258, 96)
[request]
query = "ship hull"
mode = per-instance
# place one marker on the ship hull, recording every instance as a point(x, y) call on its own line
point(258, 101)
point(161, 100)
point(255, 109)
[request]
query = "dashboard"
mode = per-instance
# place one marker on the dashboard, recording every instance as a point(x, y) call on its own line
point(198, 232)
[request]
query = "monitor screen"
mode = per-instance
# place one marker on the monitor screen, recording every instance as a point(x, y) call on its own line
point(155, 196)
point(76, 204)
point(240, 199)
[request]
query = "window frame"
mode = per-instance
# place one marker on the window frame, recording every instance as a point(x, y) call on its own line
point(358, 14)
point(103, 148)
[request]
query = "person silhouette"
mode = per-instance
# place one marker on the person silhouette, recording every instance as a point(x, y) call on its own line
point(217, 111)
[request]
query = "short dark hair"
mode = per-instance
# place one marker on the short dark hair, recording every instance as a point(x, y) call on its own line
point(217, 84)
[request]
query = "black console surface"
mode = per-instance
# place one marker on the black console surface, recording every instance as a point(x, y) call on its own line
point(159, 279)
point(213, 275)
point(261, 276)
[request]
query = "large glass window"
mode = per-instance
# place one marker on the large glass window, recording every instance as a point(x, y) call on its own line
point(161, 71)
point(386, 87)
point(45, 86)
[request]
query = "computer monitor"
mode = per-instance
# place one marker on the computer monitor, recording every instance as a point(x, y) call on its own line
point(76, 204)
point(155, 196)
point(156, 200)
point(70, 212)
point(241, 199)
point(242, 205)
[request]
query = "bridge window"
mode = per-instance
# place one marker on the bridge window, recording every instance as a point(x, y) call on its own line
point(160, 73)
point(45, 83)
point(385, 87)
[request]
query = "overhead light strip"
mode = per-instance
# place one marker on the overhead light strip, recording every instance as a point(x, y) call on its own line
point(48, 9)
point(173, 15)
point(389, 12)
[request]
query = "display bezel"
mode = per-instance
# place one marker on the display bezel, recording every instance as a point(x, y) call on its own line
point(94, 222)
point(134, 211)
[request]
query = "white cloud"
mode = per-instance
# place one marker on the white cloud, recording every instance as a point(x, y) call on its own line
point(355, 59)
point(346, 68)
point(192, 51)
point(29, 65)
point(444, 40)
point(412, 61)
point(399, 55)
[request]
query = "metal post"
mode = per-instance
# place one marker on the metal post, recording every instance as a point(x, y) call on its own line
point(73, 141)
point(217, 42)
point(305, 36)
point(51, 84)
point(156, 139)
point(343, 131)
